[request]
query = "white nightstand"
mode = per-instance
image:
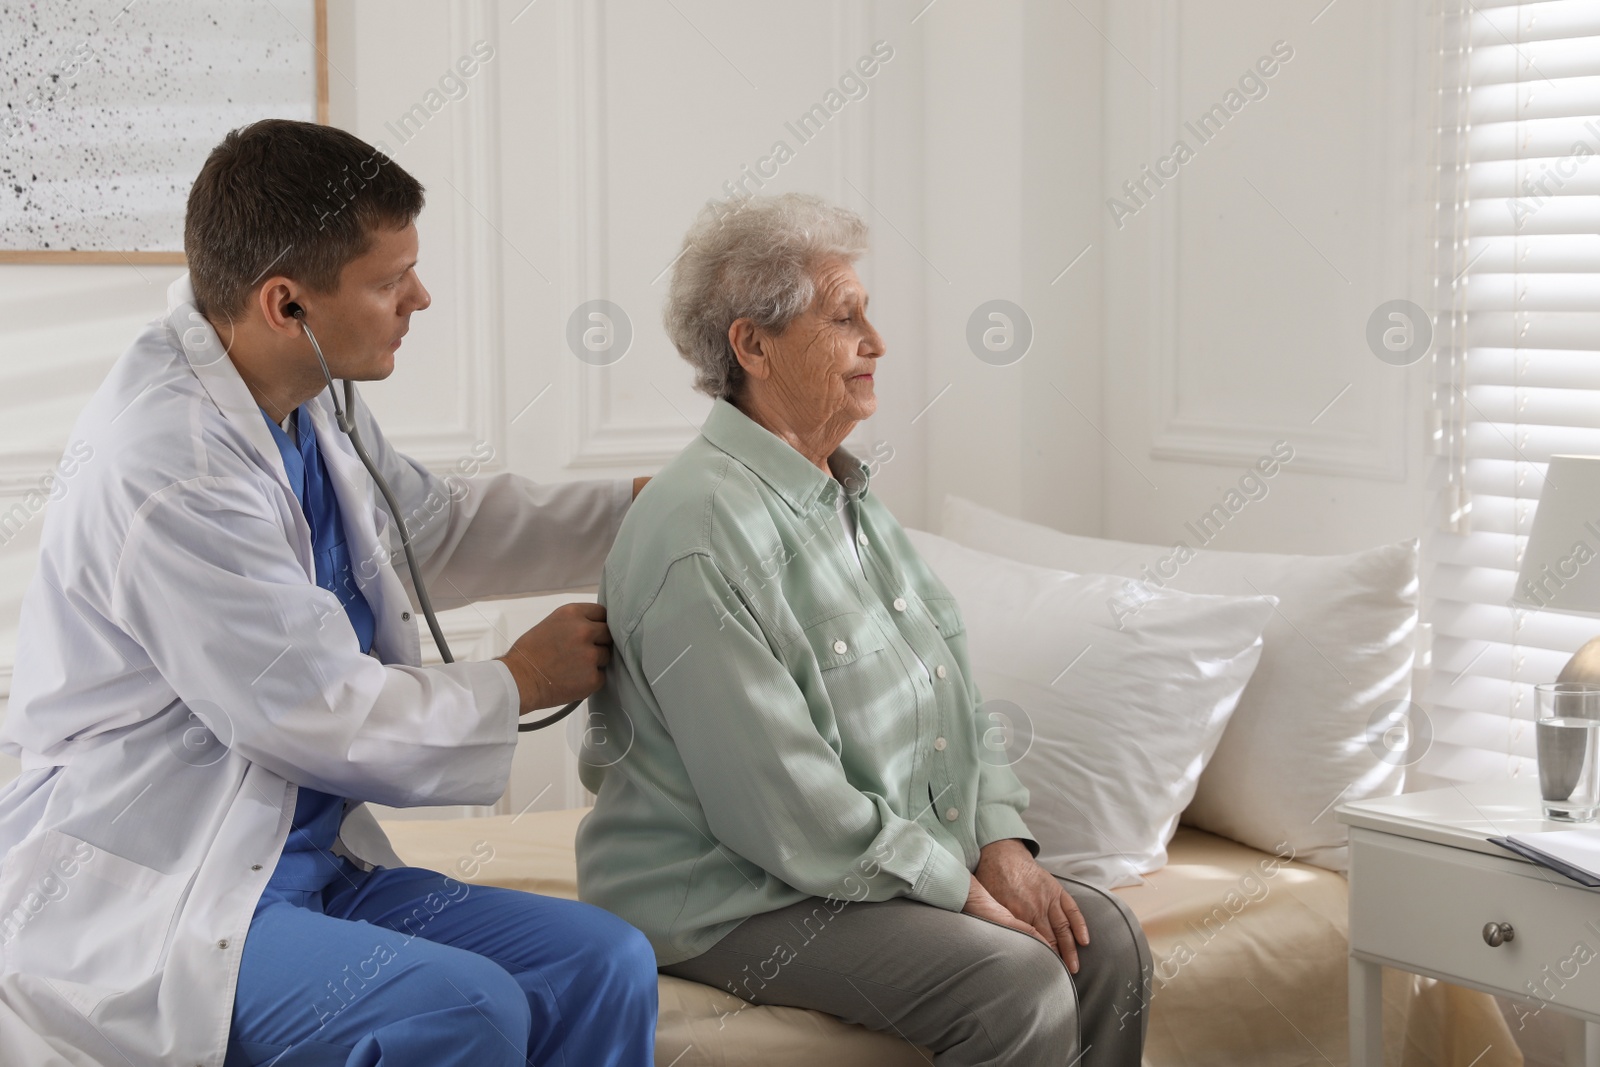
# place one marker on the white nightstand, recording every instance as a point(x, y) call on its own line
point(1424, 884)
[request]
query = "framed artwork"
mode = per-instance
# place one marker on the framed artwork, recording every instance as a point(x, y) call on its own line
point(113, 112)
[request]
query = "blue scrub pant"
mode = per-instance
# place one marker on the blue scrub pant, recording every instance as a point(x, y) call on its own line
point(405, 966)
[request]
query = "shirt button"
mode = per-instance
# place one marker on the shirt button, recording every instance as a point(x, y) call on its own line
point(939, 743)
point(951, 814)
point(899, 603)
point(223, 943)
point(940, 671)
point(840, 647)
point(862, 538)
point(405, 616)
point(255, 866)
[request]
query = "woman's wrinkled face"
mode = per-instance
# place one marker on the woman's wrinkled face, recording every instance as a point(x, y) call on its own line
point(823, 363)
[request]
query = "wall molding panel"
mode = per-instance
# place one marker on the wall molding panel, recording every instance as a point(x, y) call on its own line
point(1183, 429)
point(597, 436)
point(479, 416)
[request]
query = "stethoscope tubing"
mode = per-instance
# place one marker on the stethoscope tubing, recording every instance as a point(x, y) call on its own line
point(347, 424)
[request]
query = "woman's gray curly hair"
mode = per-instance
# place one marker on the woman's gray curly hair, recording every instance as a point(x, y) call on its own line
point(754, 261)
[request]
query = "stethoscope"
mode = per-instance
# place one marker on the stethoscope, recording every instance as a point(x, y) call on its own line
point(348, 425)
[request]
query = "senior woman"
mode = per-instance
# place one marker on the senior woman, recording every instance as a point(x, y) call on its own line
point(792, 800)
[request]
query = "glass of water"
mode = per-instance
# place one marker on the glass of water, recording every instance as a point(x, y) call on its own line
point(1568, 737)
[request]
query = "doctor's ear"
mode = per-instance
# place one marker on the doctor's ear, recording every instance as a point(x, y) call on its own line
point(291, 316)
point(276, 302)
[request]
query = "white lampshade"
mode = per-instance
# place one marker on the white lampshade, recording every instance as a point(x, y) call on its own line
point(1561, 564)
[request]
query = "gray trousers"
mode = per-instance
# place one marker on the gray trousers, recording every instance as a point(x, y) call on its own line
point(972, 991)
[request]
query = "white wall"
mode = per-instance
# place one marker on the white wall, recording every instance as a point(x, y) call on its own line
point(1237, 295)
point(1012, 110)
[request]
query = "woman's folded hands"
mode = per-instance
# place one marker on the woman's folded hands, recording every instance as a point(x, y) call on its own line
point(1011, 889)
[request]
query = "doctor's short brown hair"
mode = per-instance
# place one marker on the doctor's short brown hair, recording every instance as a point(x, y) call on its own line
point(291, 198)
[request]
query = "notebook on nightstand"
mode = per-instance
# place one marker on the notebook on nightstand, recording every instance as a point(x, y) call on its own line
point(1573, 853)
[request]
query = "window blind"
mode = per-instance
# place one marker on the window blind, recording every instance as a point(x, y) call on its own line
point(1516, 361)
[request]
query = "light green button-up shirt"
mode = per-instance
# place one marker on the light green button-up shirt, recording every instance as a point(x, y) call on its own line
point(778, 721)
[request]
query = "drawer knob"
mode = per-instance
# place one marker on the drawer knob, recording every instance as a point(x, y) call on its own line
point(1497, 934)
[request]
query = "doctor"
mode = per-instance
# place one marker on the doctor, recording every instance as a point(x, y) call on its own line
point(218, 668)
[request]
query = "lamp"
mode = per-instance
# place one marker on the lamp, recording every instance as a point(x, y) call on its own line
point(1561, 562)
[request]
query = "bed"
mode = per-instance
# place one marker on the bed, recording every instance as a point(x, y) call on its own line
point(1250, 957)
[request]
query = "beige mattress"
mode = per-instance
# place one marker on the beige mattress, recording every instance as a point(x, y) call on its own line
point(1250, 965)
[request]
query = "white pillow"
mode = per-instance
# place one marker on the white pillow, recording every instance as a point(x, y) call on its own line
point(1110, 749)
point(1311, 727)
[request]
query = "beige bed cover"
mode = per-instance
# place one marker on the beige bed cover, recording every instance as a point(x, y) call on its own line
point(1250, 965)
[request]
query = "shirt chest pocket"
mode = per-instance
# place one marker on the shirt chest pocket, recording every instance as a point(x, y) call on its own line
point(860, 677)
point(843, 639)
point(946, 615)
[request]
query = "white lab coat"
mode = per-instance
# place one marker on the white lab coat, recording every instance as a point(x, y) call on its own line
point(175, 595)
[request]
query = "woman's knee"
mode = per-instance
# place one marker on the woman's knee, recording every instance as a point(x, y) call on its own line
point(1023, 998)
point(1107, 915)
point(1118, 968)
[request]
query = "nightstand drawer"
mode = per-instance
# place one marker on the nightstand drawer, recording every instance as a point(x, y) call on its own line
point(1423, 906)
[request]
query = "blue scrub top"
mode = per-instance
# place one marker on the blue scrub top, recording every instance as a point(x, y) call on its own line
point(308, 862)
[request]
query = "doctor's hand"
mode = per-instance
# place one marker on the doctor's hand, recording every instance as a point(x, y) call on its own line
point(562, 659)
point(1016, 881)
